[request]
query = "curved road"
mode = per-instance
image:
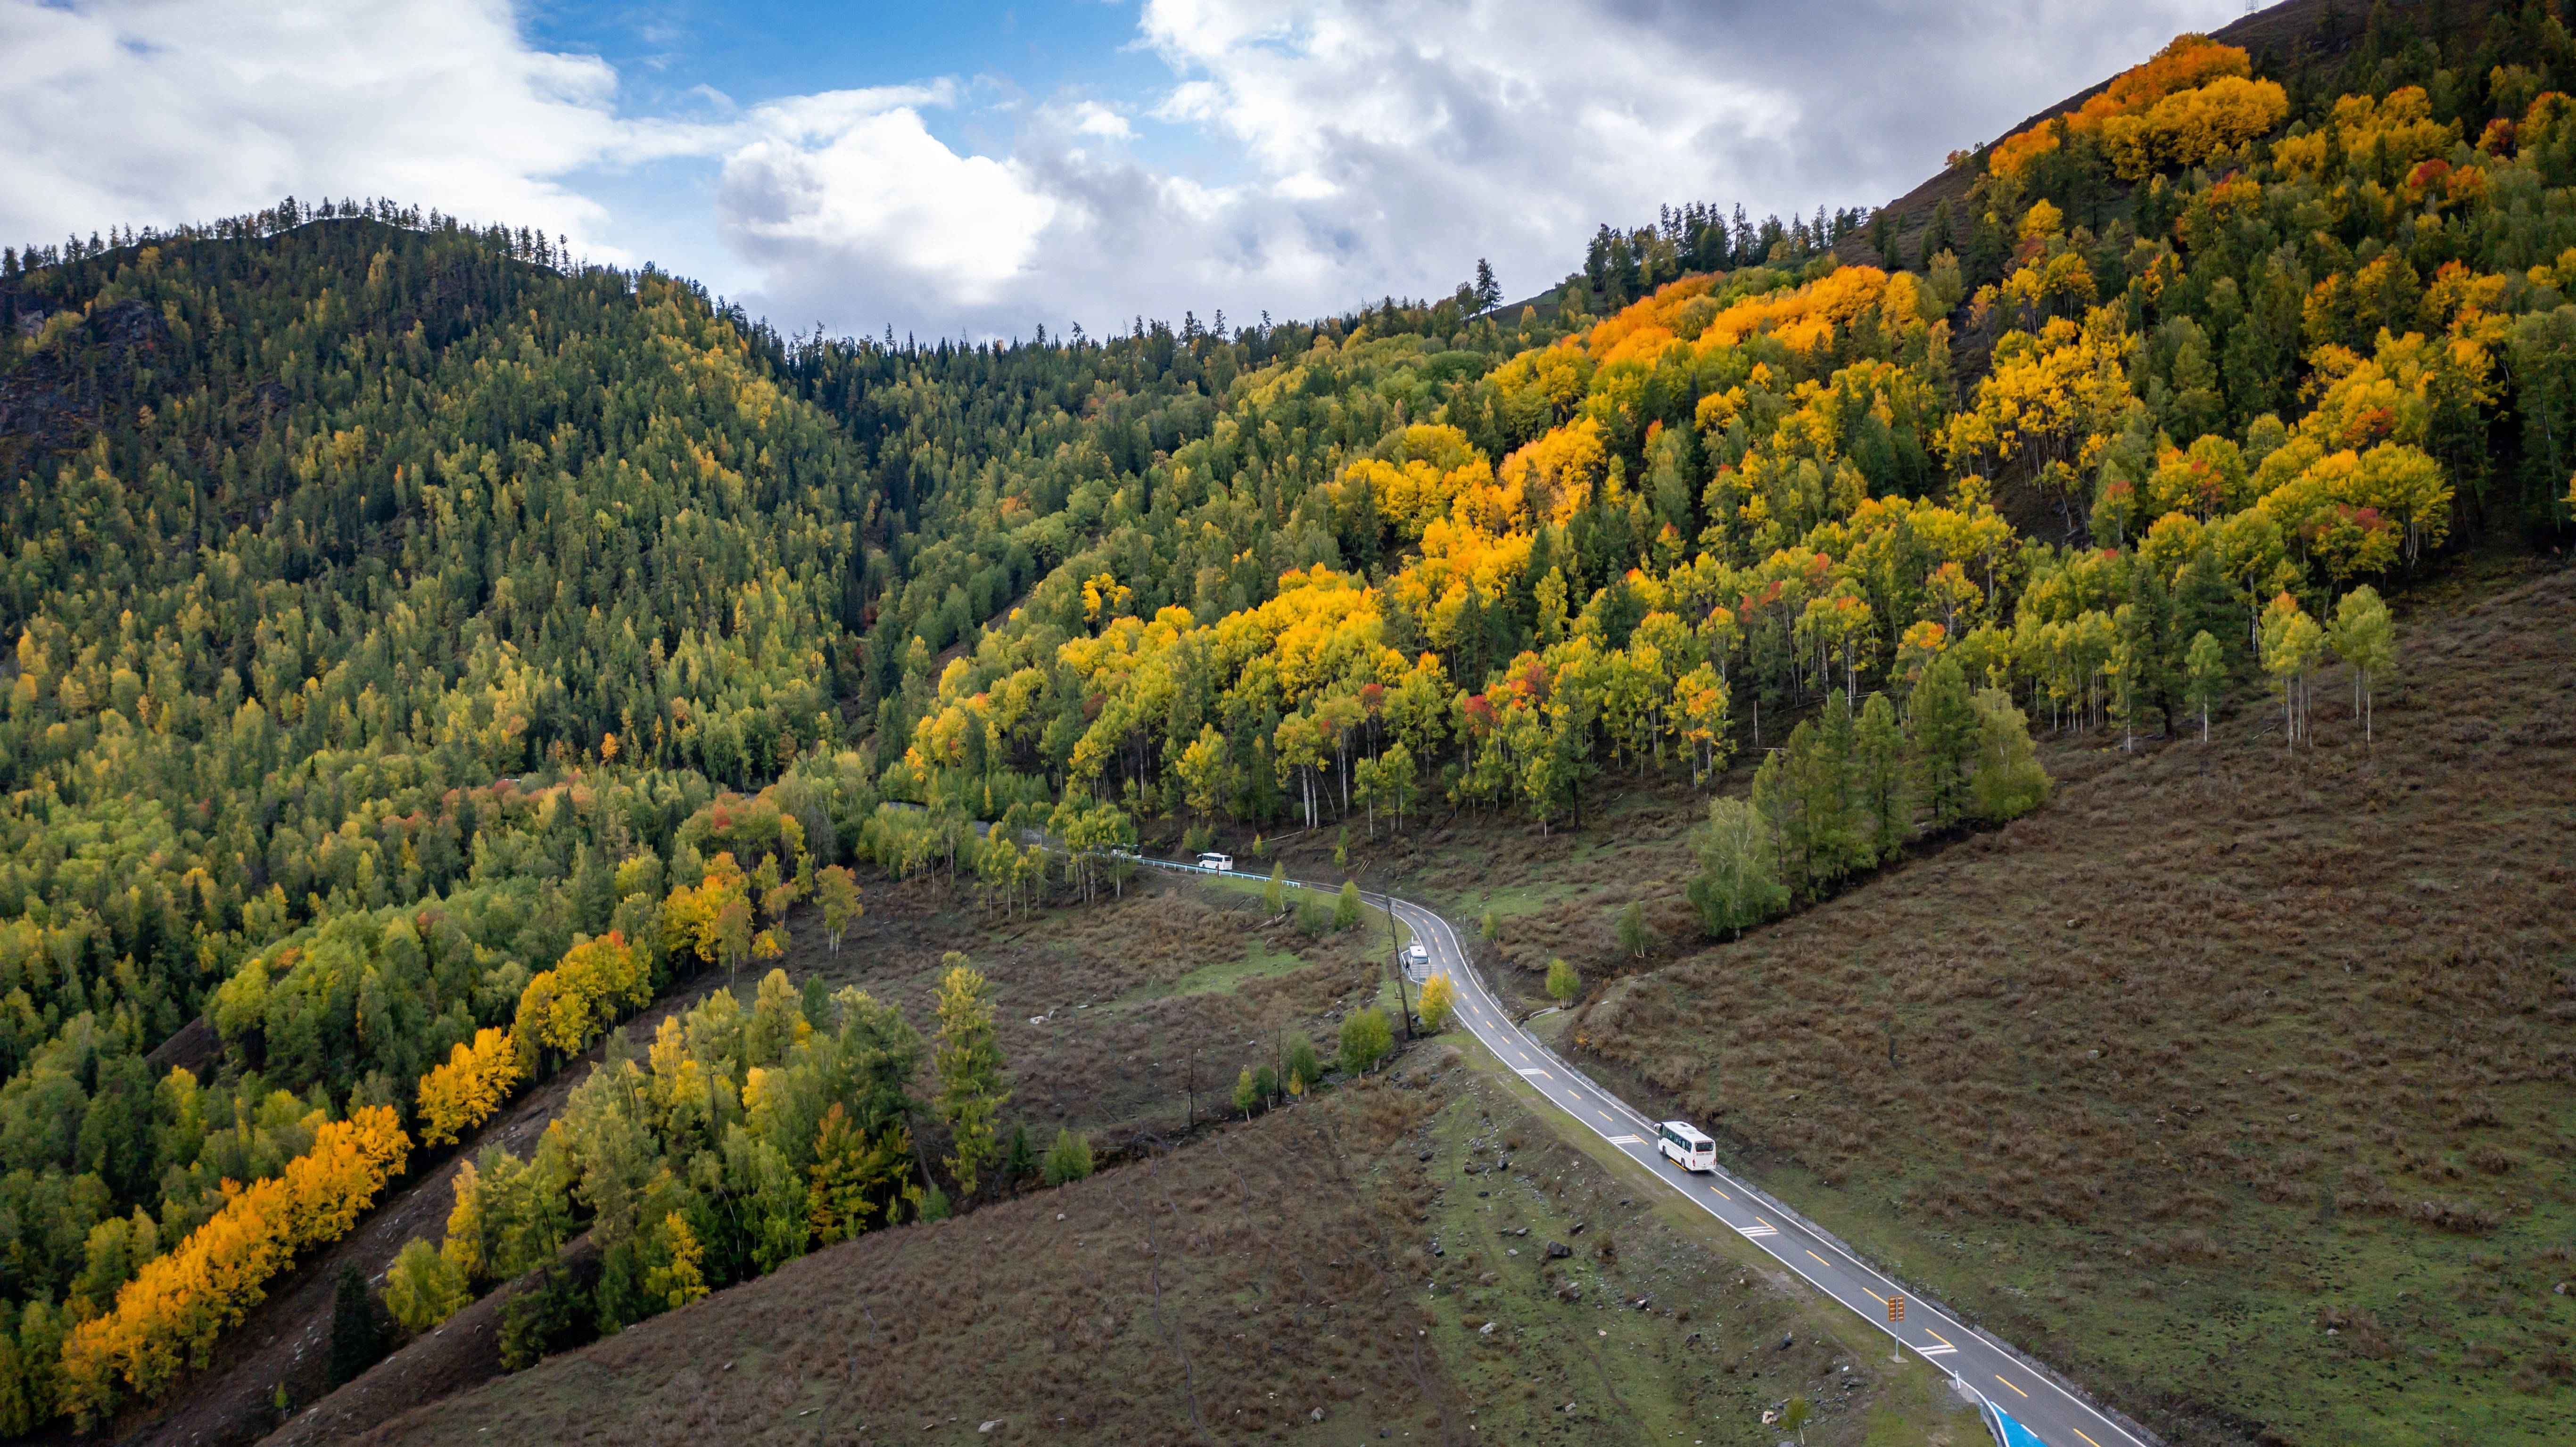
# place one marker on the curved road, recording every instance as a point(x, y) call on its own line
point(2044, 1411)
point(2023, 1406)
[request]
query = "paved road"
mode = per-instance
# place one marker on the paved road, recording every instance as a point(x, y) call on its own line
point(2045, 1410)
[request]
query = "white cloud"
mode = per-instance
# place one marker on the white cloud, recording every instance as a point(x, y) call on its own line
point(1094, 119)
point(1307, 154)
point(857, 179)
point(1369, 147)
point(164, 111)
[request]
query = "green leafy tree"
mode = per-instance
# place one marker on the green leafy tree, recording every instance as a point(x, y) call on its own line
point(1274, 895)
point(1563, 983)
point(1634, 935)
point(1069, 1159)
point(968, 1059)
point(1305, 1071)
point(2365, 638)
point(1738, 884)
point(2009, 781)
point(1346, 907)
point(1367, 1037)
point(423, 1287)
point(2205, 676)
point(837, 890)
point(1247, 1092)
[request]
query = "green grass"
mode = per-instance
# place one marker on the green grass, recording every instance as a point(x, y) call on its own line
point(1700, 1364)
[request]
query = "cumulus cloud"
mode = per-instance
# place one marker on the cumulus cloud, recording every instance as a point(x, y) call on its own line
point(164, 111)
point(1374, 147)
point(1298, 156)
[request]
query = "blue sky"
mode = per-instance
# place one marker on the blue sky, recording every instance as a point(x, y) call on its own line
point(979, 169)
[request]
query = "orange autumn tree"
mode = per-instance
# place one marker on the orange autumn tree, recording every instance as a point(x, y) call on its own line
point(2188, 63)
point(167, 1319)
point(463, 1093)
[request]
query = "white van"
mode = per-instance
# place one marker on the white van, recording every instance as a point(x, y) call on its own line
point(1418, 955)
point(1221, 863)
point(1688, 1148)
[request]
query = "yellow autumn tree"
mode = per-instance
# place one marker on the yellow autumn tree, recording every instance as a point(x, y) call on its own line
point(463, 1093)
point(167, 1319)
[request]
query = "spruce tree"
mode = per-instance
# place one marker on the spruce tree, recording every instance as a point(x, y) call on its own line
point(357, 1335)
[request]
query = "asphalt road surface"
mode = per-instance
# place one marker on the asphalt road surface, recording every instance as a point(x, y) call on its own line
point(2034, 1403)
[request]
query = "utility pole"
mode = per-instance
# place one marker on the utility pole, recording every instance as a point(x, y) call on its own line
point(1396, 943)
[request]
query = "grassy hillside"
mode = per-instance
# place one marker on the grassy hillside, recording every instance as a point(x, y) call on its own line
point(1324, 1273)
point(2239, 1080)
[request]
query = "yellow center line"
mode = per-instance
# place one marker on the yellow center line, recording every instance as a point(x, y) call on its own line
point(1721, 1195)
point(2017, 1391)
point(1936, 1336)
point(1874, 1296)
point(2078, 1431)
point(1820, 1261)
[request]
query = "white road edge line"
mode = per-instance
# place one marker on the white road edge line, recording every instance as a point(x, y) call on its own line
point(1440, 927)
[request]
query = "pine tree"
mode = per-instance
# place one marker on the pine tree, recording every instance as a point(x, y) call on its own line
point(357, 1337)
point(1943, 723)
point(1069, 1159)
point(1879, 781)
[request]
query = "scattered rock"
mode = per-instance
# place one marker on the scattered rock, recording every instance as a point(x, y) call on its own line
point(1577, 1231)
point(1316, 1415)
point(1787, 1342)
point(989, 1426)
point(1486, 1330)
point(1558, 1251)
point(1426, 1155)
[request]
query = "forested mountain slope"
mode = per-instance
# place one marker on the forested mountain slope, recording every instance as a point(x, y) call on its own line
point(393, 604)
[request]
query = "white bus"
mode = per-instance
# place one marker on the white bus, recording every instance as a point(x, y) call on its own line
point(1221, 863)
point(1688, 1148)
